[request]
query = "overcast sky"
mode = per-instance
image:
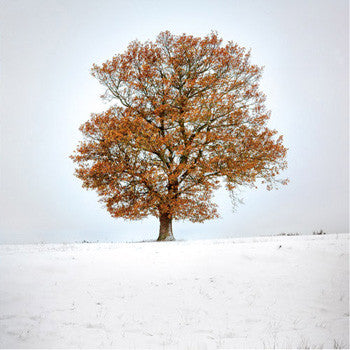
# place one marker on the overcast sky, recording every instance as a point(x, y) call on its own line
point(47, 49)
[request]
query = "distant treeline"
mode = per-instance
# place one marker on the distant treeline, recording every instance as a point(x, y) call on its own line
point(321, 232)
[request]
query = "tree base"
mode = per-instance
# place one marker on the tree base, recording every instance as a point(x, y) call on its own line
point(166, 239)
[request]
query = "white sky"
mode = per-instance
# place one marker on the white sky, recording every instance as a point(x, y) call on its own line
point(47, 49)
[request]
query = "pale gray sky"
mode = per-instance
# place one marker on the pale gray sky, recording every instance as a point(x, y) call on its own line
point(47, 49)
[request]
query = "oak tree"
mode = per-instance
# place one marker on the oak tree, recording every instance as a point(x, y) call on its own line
point(186, 116)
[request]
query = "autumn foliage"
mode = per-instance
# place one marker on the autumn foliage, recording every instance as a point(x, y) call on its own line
point(186, 116)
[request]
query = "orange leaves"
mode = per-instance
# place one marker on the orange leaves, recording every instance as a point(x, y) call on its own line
point(187, 112)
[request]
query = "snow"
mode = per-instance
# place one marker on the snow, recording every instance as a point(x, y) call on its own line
point(265, 292)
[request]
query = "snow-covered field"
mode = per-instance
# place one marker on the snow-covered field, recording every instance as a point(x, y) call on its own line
point(266, 292)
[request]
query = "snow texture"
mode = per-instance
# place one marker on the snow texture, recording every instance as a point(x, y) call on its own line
point(267, 292)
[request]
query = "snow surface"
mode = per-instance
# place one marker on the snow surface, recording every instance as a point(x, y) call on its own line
point(266, 292)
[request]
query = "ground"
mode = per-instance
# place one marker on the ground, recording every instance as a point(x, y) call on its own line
point(265, 292)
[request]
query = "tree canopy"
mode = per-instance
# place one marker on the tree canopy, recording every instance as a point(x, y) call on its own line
point(186, 115)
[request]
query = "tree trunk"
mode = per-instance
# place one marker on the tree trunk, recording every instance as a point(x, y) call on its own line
point(165, 228)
